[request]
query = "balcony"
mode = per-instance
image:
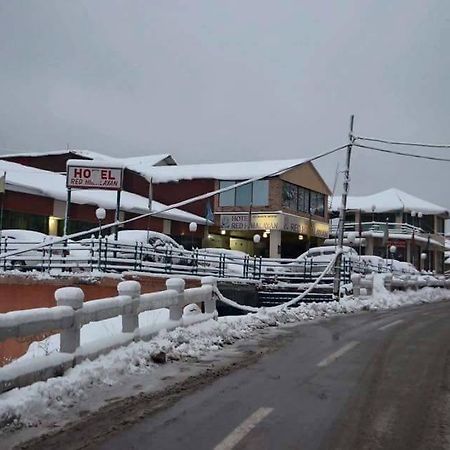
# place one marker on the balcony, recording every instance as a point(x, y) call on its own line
point(396, 231)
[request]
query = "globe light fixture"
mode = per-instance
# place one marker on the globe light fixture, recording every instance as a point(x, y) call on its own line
point(192, 227)
point(100, 213)
point(256, 238)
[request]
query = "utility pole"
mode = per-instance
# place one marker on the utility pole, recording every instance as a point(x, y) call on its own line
point(340, 231)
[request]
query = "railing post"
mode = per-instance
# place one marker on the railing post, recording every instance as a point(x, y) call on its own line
point(369, 288)
point(388, 281)
point(130, 318)
point(70, 337)
point(176, 284)
point(356, 280)
point(210, 304)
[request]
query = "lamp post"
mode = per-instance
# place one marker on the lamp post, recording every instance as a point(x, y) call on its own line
point(386, 237)
point(192, 229)
point(392, 250)
point(373, 213)
point(100, 213)
point(256, 241)
point(419, 216)
point(423, 257)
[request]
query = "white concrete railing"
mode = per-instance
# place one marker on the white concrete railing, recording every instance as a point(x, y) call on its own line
point(71, 313)
point(394, 283)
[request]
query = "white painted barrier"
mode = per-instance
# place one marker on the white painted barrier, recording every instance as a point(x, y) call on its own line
point(72, 313)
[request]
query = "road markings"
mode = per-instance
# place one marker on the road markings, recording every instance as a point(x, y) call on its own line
point(329, 359)
point(243, 429)
point(391, 324)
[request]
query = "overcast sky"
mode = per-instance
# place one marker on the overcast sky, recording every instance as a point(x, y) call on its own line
point(231, 80)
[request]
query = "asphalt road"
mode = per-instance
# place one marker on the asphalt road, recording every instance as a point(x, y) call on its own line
point(366, 381)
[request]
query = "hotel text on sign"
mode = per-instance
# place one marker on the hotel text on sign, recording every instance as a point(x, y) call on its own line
point(80, 177)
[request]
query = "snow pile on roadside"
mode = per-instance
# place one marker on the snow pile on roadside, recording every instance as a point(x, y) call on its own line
point(29, 406)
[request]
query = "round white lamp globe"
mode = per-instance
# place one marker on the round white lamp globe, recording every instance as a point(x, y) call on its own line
point(100, 213)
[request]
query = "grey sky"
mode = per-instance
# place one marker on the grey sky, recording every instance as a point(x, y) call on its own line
point(231, 80)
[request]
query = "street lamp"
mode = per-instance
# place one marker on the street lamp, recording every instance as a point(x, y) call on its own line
point(373, 212)
point(192, 229)
point(100, 213)
point(423, 257)
point(420, 215)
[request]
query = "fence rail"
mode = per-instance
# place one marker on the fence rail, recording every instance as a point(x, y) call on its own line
point(396, 283)
point(72, 313)
point(102, 255)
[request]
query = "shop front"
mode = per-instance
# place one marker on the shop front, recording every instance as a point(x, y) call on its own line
point(281, 234)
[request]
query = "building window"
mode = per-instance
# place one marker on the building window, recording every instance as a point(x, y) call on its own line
point(290, 196)
point(256, 193)
point(303, 200)
point(261, 193)
point(317, 204)
point(226, 198)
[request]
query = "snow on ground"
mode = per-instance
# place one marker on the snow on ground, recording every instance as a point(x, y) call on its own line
point(30, 405)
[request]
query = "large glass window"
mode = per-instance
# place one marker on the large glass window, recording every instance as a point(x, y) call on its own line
point(303, 200)
point(256, 193)
point(244, 195)
point(290, 195)
point(261, 193)
point(226, 198)
point(317, 204)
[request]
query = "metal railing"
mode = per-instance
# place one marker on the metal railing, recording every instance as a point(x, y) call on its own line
point(98, 256)
point(393, 227)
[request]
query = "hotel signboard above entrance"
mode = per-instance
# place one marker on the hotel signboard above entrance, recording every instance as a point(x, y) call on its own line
point(279, 221)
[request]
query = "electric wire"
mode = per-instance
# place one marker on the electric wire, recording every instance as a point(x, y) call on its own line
point(412, 144)
point(395, 152)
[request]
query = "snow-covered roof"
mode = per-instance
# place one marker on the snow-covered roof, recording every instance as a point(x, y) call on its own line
point(30, 180)
point(132, 162)
point(220, 171)
point(389, 200)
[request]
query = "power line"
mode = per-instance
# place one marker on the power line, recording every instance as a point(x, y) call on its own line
point(412, 144)
point(394, 152)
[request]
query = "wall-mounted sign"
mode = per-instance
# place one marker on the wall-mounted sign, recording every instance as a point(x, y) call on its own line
point(90, 177)
point(283, 222)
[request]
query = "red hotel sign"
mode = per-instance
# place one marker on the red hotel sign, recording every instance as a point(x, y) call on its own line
point(82, 177)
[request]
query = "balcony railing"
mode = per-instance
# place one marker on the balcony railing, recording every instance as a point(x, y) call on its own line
point(394, 228)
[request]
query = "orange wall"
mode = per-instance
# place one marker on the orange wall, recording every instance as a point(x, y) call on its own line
point(17, 293)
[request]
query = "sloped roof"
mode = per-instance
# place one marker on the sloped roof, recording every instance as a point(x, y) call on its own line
point(221, 171)
point(30, 180)
point(129, 162)
point(389, 200)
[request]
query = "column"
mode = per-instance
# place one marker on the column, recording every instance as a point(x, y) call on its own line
point(275, 244)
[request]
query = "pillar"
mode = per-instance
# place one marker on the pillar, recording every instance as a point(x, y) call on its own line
point(275, 244)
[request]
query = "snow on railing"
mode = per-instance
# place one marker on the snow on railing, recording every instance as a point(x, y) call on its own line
point(397, 283)
point(379, 227)
point(103, 255)
point(71, 313)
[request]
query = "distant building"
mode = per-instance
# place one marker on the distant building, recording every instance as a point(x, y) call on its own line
point(35, 195)
point(288, 210)
point(413, 226)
